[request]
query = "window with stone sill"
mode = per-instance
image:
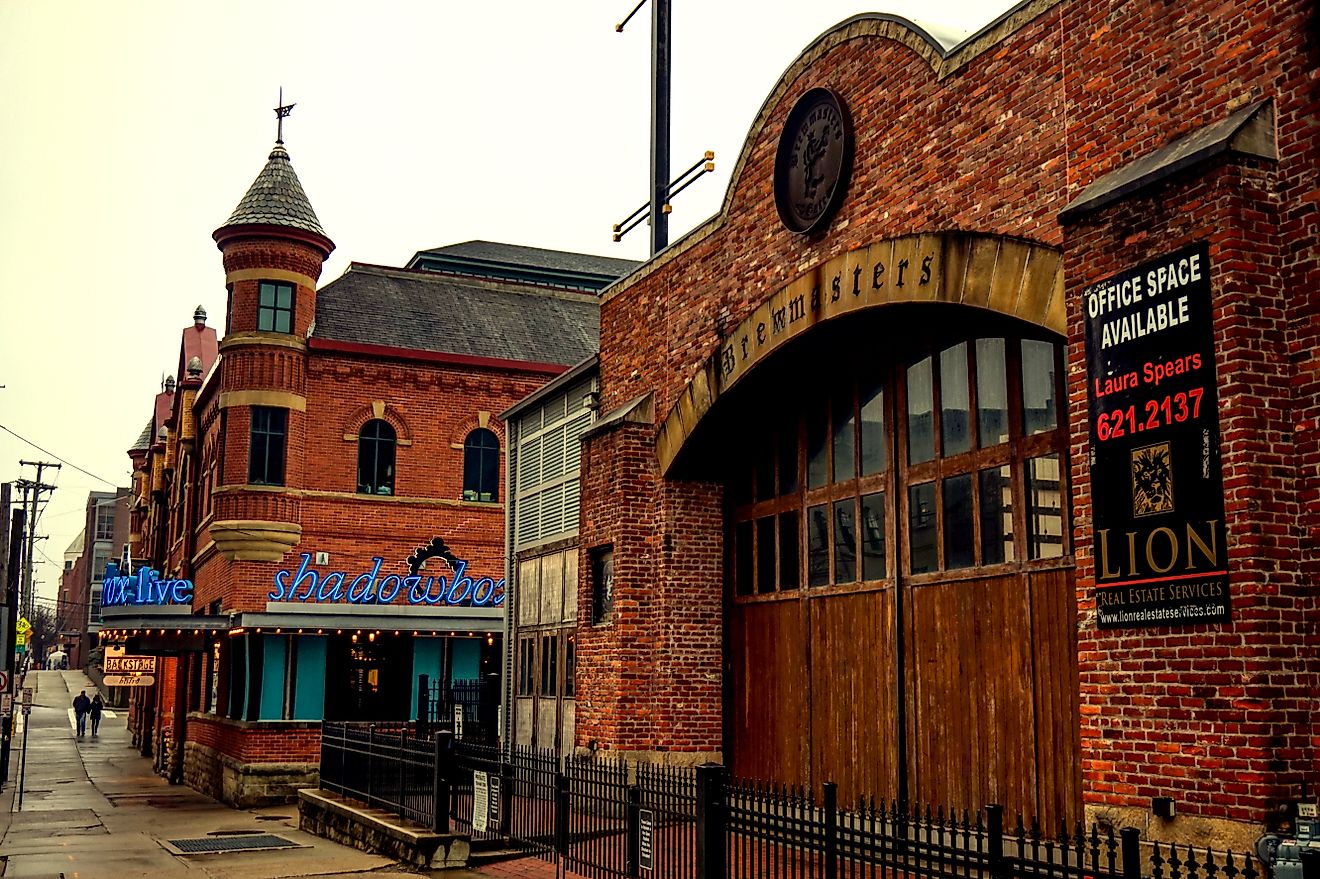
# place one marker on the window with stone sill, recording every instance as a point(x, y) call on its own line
point(377, 443)
point(275, 307)
point(267, 447)
point(602, 584)
point(481, 466)
point(105, 521)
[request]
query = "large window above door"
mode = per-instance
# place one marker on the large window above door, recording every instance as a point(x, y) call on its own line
point(949, 461)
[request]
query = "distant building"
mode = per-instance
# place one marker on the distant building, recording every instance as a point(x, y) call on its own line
point(323, 489)
point(78, 606)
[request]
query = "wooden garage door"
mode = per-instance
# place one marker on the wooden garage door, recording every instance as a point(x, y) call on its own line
point(901, 612)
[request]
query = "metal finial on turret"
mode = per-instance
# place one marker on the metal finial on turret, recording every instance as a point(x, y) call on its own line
point(281, 111)
point(199, 317)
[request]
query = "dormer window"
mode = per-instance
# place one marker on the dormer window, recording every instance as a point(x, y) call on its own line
point(275, 307)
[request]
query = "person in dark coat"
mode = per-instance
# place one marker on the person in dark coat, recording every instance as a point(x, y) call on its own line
point(81, 706)
point(95, 710)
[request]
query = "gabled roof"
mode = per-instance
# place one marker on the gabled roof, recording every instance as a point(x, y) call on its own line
point(430, 312)
point(276, 198)
point(528, 265)
point(164, 409)
point(200, 343)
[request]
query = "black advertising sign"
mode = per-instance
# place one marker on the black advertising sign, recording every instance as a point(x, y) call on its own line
point(646, 839)
point(1156, 476)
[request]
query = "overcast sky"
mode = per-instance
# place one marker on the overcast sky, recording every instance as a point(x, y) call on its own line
point(130, 130)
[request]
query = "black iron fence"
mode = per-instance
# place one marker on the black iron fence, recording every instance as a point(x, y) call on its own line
point(467, 709)
point(610, 819)
point(387, 767)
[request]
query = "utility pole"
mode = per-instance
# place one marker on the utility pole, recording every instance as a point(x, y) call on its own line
point(660, 77)
point(37, 487)
point(13, 561)
point(661, 189)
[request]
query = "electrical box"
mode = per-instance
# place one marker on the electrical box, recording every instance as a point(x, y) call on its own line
point(1287, 860)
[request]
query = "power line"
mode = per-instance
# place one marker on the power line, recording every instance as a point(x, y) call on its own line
point(57, 457)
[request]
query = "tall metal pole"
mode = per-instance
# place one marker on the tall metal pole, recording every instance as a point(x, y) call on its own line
point(660, 68)
point(11, 543)
point(30, 552)
point(29, 596)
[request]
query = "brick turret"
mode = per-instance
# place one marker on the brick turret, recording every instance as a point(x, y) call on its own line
point(274, 248)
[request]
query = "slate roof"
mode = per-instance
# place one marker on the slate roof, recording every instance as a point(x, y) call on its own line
point(276, 198)
point(519, 263)
point(144, 439)
point(426, 311)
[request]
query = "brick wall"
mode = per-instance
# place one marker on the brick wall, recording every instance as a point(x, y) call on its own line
point(283, 741)
point(998, 140)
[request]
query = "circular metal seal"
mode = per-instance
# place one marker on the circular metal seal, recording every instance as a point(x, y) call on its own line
point(814, 161)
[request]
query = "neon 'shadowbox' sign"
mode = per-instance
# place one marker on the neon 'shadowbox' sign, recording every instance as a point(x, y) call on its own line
point(369, 587)
point(143, 587)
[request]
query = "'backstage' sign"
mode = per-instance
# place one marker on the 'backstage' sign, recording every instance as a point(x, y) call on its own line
point(1156, 476)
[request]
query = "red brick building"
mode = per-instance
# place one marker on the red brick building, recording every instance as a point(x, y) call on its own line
point(983, 458)
point(78, 604)
point(319, 522)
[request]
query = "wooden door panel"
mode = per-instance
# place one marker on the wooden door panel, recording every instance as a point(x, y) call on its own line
point(853, 687)
point(1058, 734)
point(971, 694)
point(769, 717)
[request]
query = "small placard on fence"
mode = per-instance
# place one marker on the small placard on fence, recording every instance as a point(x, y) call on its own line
point(493, 822)
point(646, 839)
point(480, 801)
point(458, 723)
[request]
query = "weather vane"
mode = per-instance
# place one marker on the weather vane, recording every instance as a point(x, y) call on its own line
point(280, 112)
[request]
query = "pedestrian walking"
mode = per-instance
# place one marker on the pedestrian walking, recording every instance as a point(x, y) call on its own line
point(81, 706)
point(95, 709)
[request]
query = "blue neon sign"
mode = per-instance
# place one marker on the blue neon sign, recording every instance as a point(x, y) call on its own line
point(143, 587)
point(368, 587)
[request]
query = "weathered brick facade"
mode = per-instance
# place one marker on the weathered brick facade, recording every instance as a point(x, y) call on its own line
point(996, 138)
point(260, 655)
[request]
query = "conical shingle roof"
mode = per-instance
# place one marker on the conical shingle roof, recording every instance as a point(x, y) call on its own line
point(276, 198)
point(144, 440)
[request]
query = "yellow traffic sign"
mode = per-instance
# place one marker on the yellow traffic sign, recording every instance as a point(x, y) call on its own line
point(22, 626)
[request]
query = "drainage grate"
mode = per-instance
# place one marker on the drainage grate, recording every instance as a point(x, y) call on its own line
point(247, 842)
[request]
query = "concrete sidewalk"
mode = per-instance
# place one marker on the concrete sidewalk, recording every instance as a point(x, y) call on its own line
point(93, 808)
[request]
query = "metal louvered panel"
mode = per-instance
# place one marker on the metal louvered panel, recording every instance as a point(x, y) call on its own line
point(556, 408)
point(572, 504)
point(529, 510)
point(552, 511)
point(552, 454)
point(529, 465)
point(573, 440)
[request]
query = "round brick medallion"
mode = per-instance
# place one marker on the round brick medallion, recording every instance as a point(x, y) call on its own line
point(814, 161)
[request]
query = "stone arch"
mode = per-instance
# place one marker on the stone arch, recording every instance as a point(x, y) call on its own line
point(373, 410)
point(479, 420)
point(1009, 276)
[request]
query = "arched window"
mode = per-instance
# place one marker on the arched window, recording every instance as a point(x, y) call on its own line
point(948, 458)
point(481, 466)
point(376, 443)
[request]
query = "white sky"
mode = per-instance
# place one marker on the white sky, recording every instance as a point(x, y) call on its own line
point(130, 130)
